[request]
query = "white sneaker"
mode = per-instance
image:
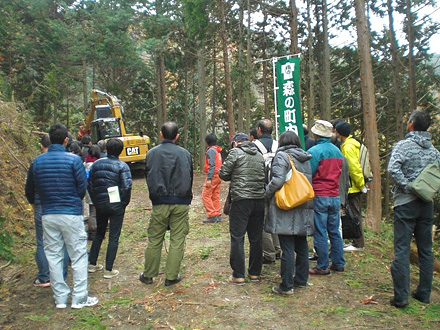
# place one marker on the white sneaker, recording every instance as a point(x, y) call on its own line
point(61, 306)
point(94, 268)
point(352, 248)
point(91, 301)
point(111, 273)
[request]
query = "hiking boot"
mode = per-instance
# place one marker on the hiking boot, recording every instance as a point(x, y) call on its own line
point(236, 280)
point(41, 284)
point(316, 271)
point(111, 273)
point(299, 286)
point(277, 289)
point(219, 218)
point(398, 304)
point(91, 301)
point(416, 296)
point(313, 257)
point(210, 220)
point(145, 280)
point(172, 282)
point(352, 248)
point(268, 262)
point(336, 269)
point(94, 268)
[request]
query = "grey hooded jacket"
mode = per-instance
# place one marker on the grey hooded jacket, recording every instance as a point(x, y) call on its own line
point(298, 221)
point(244, 167)
point(408, 158)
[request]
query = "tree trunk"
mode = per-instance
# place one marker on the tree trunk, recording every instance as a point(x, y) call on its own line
point(230, 110)
point(55, 110)
point(311, 71)
point(240, 88)
point(214, 86)
point(374, 205)
point(326, 84)
point(293, 28)
point(84, 83)
point(394, 49)
point(265, 89)
point(247, 75)
point(186, 109)
point(202, 102)
point(411, 60)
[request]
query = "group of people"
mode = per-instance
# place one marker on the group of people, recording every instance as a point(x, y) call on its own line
point(56, 185)
point(257, 167)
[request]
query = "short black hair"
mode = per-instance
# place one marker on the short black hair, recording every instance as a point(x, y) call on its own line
point(169, 130)
point(265, 125)
point(421, 120)
point(253, 133)
point(86, 139)
point(75, 148)
point(57, 133)
point(45, 141)
point(288, 138)
point(211, 139)
point(114, 147)
point(94, 151)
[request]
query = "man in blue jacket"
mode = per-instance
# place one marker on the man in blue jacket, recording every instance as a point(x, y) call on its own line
point(59, 178)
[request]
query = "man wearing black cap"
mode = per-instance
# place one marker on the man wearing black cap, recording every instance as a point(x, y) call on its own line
point(350, 149)
point(244, 168)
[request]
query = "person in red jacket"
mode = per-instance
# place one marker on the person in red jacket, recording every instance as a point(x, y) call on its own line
point(211, 188)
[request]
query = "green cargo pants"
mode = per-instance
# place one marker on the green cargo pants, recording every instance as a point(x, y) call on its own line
point(174, 216)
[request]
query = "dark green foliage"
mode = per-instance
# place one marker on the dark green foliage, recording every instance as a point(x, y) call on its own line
point(6, 242)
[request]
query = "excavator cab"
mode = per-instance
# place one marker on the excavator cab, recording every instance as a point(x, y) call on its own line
point(105, 128)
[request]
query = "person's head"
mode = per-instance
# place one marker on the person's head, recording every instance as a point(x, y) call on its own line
point(169, 131)
point(419, 120)
point(336, 121)
point(58, 134)
point(94, 151)
point(343, 130)
point(114, 147)
point(239, 138)
point(211, 140)
point(86, 140)
point(322, 129)
point(102, 145)
point(305, 129)
point(288, 138)
point(45, 142)
point(76, 148)
point(264, 126)
point(253, 135)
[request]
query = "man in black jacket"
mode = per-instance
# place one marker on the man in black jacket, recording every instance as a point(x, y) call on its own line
point(110, 189)
point(169, 173)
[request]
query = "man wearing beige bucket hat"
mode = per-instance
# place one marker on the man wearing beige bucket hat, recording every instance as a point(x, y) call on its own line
point(326, 169)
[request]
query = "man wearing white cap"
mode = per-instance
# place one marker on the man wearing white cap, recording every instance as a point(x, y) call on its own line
point(326, 169)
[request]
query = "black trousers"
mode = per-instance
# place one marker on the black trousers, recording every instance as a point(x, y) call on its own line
point(113, 213)
point(246, 216)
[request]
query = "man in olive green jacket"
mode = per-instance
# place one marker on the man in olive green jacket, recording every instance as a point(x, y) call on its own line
point(244, 167)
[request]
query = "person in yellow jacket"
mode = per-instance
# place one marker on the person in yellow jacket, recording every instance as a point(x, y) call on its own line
point(350, 149)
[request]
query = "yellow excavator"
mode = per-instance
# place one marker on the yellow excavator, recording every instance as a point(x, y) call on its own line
point(105, 120)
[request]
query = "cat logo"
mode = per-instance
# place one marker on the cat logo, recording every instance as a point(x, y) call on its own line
point(132, 151)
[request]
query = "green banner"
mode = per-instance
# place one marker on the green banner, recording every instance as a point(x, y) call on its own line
point(288, 112)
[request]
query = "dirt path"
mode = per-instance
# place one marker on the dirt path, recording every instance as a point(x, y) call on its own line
point(204, 299)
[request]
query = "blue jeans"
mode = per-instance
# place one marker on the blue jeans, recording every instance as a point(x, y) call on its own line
point(414, 217)
point(246, 216)
point(291, 244)
point(326, 214)
point(60, 232)
point(40, 257)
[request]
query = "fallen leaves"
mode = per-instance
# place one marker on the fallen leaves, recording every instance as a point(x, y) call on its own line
point(369, 300)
